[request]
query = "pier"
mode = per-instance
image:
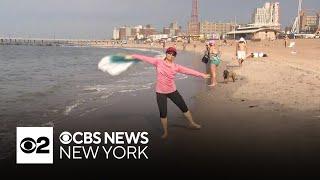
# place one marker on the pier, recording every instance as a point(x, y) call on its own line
point(51, 42)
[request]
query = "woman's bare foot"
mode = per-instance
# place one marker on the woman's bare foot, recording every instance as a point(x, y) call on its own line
point(212, 84)
point(194, 126)
point(164, 136)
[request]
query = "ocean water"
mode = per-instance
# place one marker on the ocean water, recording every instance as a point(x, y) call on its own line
point(40, 86)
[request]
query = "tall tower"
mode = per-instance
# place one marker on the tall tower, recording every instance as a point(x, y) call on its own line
point(194, 24)
point(195, 11)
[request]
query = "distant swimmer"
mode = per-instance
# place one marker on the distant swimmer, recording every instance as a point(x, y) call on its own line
point(241, 50)
point(166, 88)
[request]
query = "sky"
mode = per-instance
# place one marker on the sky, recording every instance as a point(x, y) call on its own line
point(95, 19)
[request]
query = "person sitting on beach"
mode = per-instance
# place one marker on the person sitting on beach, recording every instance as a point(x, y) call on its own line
point(241, 50)
point(166, 88)
point(215, 55)
point(225, 42)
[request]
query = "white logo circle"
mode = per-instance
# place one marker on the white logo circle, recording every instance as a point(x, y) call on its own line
point(65, 137)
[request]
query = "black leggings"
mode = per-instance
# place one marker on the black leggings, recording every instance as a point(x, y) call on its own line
point(175, 98)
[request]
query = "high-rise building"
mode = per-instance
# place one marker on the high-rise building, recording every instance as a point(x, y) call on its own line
point(115, 34)
point(125, 33)
point(148, 30)
point(268, 15)
point(173, 30)
point(210, 28)
point(194, 24)
point(122, 33)
point(166, 30)
point(309, 23)
point(174, 25)
point(131, 33)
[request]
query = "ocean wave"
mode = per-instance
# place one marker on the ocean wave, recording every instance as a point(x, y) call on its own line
point(106, 96)
point(48, 124)
point(88, 111)
point(143, 87)
point(69, 108)
point(149, 67)
point(122, 81)
point(182, 76)
point(142, 73)
point(98, 88)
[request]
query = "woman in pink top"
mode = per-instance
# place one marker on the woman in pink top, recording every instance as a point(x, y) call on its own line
point(166, 87)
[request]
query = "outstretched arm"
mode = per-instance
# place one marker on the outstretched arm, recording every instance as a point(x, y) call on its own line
point(185, 70)
point(147, 59)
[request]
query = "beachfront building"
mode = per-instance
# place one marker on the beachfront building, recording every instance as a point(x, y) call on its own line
point(254, 33)
point(158, 37)
point(132, 33)
point(124, 33)
point(116, 34)
point(172, 30)
point(148, 30)
point(208, 29)
point(309, 23)
point(267, 16)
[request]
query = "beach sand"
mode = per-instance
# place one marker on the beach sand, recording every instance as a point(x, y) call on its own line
point(266, 124)
point(288, 76)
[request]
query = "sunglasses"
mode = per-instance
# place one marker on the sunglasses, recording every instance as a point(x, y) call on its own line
point(172, 53)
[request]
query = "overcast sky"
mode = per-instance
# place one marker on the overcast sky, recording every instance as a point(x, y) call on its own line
point(95, 19)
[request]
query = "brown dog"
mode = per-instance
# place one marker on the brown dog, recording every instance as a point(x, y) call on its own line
point(229, 74)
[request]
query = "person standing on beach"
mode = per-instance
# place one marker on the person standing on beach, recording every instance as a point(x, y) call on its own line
point(214, 61)
point(241, 50)
point(184, 46)
point(286, 41)
point(166, 88)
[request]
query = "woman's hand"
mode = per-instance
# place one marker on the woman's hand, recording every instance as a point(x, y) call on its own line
point(128, 57)
point(206, 76)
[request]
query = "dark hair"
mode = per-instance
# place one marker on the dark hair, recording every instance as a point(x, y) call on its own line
point(172, 50)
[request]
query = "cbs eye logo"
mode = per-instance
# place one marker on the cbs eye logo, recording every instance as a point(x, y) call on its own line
point(29, 145)
point(65, 137)
point(34, 145)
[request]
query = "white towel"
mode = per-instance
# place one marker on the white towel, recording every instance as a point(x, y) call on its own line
point(114, 67)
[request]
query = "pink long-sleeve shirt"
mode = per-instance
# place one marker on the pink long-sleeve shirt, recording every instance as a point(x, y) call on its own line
point(166, 73)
